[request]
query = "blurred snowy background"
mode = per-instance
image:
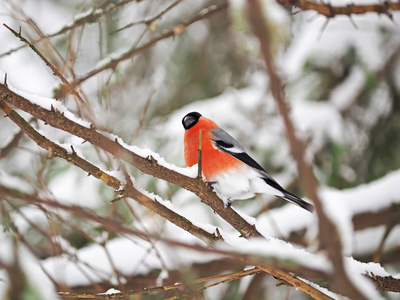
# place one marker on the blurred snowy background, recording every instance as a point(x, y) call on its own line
point(342, 83)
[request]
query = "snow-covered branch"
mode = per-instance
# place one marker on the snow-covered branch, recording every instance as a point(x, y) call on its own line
point(144, 162)
point(331, 11)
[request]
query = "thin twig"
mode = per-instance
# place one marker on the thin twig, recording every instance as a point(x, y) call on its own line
point(113, 63)
point(92, 17)
point(12, 144)
point(200, 164)
point(229, 277)
point(111, 181)
point(150, 21)
point(55, 71)
point(265, 262)
point(378, 253)
point(237, 275)
point(143, 115)
point(147, 165)
point(328, 234)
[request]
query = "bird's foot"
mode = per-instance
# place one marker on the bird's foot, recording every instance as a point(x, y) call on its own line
point(227, 203)
point(210, 185)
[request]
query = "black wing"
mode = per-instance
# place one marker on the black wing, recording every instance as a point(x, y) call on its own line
point(225, 142)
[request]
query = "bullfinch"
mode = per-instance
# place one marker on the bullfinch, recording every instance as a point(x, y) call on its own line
point(226, 167)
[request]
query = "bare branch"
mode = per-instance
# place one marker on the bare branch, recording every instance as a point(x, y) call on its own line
point(111, 181)
point(391, 59)
point(329, 11)
point(328, 235)
point(112, 64)
point(146, 165)
point(93, 16)
point(55, 71)
point(150, 21)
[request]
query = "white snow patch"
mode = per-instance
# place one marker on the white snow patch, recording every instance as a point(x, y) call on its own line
point(47, 103)
point(340, 215)
point(276, 248)
point(147, 153)
point(111, 291)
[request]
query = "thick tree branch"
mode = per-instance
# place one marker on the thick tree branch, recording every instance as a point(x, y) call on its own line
point(150, 166)
point(272, 265)
point(146, 165)
point(128, 190)
point(328, 235)
point(278, 268)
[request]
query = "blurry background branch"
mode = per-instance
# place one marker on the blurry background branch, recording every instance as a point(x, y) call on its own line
point(342, 88)
point(331, 11)
point(124, 190)
point(113, 62)
point(90, 16)
point(329, 238)
point(232, 261)
point(128, 190)
point(146, 165)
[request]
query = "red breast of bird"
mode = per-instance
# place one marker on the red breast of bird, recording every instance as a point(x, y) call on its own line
point(231, 179)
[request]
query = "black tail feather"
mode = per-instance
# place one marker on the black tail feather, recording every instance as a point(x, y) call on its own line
point(286, 195)
point(298, 201)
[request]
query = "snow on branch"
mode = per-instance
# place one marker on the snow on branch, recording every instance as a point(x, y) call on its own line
point(329, 236)
point(89, 16)
point(114, 61)
point(331, 11)
point(148, 165)
point(125, 190)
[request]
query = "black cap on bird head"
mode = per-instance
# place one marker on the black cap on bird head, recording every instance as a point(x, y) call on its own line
point(190, 119)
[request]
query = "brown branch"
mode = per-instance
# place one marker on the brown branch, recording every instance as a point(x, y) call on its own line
point(229, 277)
point(274, 265)
point(77, 211)
point(237, 275)
point(113, 63)
point(55, 71)
point(379, 75)
point(11, 145)
point(92, 17)
point(254, 286)
point(57, 120)
point(270, 264)
point(390, 256)
point(111, 181)
point(295, 282)
point(10, 223)
point(329, 11)
point(361, 221)
point(328, 235)
point(143, 115)
point(384, 216)
point(147, 165)
point(150, 21)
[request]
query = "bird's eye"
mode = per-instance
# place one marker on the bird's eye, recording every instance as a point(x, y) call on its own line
point(188, 121)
